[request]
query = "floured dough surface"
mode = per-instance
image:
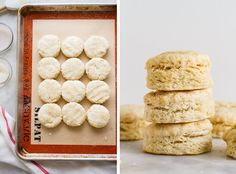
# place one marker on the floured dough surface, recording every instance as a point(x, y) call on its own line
point(49, 91)
point(98, 116)
point(72, 46)
point(73, 114)
point(73, 91)
point(49, 46)
point(50, 115)
point(48, 68)
point(96, 46)
point(97, 91)
point(97, 69)
point(72, 69)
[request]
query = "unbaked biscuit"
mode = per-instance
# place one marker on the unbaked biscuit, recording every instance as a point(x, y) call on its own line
point(132, 122)
point(48, 68)
point(49, 91)
point(96, 46)
point(50, 115)
point(179, 70)
point(97, 69)
point(73, 91)
point(97, 91)
point(72, 46)
point(98, 116)
point(178, 106)
point(72, 69)
point(230, 138)
point(178, 139)
point(224, 118)
point(49, 46)
point(73, 114)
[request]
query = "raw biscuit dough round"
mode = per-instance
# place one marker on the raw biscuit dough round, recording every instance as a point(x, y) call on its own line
point(49, 46)
point(48, 68)
point(97, 69)
point(72, 46)
point(49, 90)
point(72, 69)
point(50, 115)
point(97, 91)
point(73, 114)
point(98, 116)
point(73, 91)
point(96, 46)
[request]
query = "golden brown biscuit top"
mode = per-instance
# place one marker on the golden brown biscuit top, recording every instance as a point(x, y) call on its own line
point(177, 59)
point(225, 113)
point(131, 112)
point(198, 128)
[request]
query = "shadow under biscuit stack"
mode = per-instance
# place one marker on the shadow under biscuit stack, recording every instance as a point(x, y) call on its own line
point(179, 105)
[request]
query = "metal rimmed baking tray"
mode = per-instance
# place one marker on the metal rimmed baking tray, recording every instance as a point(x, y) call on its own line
point(33, 140)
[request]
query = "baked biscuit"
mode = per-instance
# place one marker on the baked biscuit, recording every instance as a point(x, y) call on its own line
point(132, 122)
point(179, 70)
point(230, 138)
point(178, 107)
point(178, 139)
point(224, 118)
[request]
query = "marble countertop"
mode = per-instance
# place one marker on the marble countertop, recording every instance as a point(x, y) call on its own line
point(134, 160)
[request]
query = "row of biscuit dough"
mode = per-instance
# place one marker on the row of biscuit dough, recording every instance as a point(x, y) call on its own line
point(72, 46)
point(96, 91)
point(73, 114)
point(73, 68)
point(181, 104)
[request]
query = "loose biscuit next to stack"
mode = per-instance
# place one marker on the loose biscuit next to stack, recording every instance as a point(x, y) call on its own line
point(132, 122)
point(224, 118)
point(181, 104)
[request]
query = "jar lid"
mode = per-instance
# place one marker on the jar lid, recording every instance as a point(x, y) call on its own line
point(6, 37)
point(5, 72)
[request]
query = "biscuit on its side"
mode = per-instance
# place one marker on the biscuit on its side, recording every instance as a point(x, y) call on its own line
point(178, 139)
point(132, 122)
point(178, 107)
point(179, 70)
point(230, 138)
point(224, 118)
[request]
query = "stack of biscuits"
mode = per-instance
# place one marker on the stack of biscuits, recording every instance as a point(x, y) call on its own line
point(180, 105)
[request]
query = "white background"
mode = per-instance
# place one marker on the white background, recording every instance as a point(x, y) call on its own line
point(153, 26)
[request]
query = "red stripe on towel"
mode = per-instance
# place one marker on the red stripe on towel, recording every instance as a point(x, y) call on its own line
point(14, 142)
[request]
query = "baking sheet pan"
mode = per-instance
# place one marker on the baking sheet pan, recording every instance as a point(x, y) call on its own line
point(63, 142)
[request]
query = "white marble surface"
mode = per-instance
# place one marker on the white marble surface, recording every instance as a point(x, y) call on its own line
point(134, 160)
